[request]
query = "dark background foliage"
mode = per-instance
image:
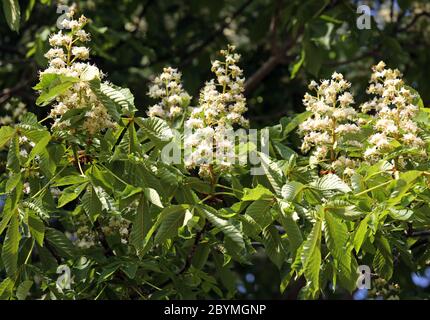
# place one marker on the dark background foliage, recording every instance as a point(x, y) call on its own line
point(284, 44)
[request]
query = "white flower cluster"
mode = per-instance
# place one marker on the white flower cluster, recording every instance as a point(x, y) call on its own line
point(168, 88)
point(117, 225)
point(332, 122)
point(14, 111)
point(395, 110)
point(65, 58)
point(86, 238)
point(209, 143)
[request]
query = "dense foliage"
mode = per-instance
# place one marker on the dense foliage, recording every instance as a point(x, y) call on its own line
point(92, 209)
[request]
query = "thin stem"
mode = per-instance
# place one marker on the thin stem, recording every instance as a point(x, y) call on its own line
point(75, 154)
point(373, 188)
point(29, 253)
point(49, 182)
point(119, 179)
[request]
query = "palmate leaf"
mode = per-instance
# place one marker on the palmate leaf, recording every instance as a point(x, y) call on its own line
point(153, 197)
point(291, 189)
point(51, 86)
point(403, 214)
point(275, 249)
point(13, 156)
point(60, 242)
point(156, 129)
point(71, 193)
point(331, 182)
point(259, 192)
point(360, 233)
point(9, 254)
point(343, 209)
point(141, 226)
point(108, 97)
point(117, 100)
point(311, 257)
point(336, 237)
point(36, 205)
point(91, 204)
point(36, 227)
point(6, 133)
point(108, 203)
point(229, 230)
point(41, 139)
point(289, 125)
point(273, 173)
point(6, 288)
point(12, 13)
point(259, 212)
point(171, 219)
point(383, 259)
point(292, 230)
point(23, 289)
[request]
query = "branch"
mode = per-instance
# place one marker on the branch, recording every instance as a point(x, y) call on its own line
point(261, 73)
point(102, 238)
point(424, 233)
point(187, 264)
point(414, 20)
point(189, 56)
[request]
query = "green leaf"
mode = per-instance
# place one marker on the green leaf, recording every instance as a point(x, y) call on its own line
point(274, 247)
point(259, 212)
point(336, 237)
point(297, 65)
point(383, 259)
point(71, 193)
point(343, 209)
point(9, 253)
point(108, 203)
point(13, 156)
point(157, 130)
point(171, 219)
point(41, 143)
point(289, 125)
point(91, 204)
point(23, 289)
point(13, 181)
point(292, 230)
point(403, 214)
point(230, 230)
point(311, 257)
point(153, 197)
point(6, 287)
point(141, 226)
point(273, 172)
point(37, 228)
point(259, 192)
point(360, 233)
point(6, 133)
point(70, 179)
point(60, 242)
point(110, 104)
point(47, 96)
point(37, 206)
point(291, 189)
point(12, 13)
point(117, 100)
point(332, 182)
